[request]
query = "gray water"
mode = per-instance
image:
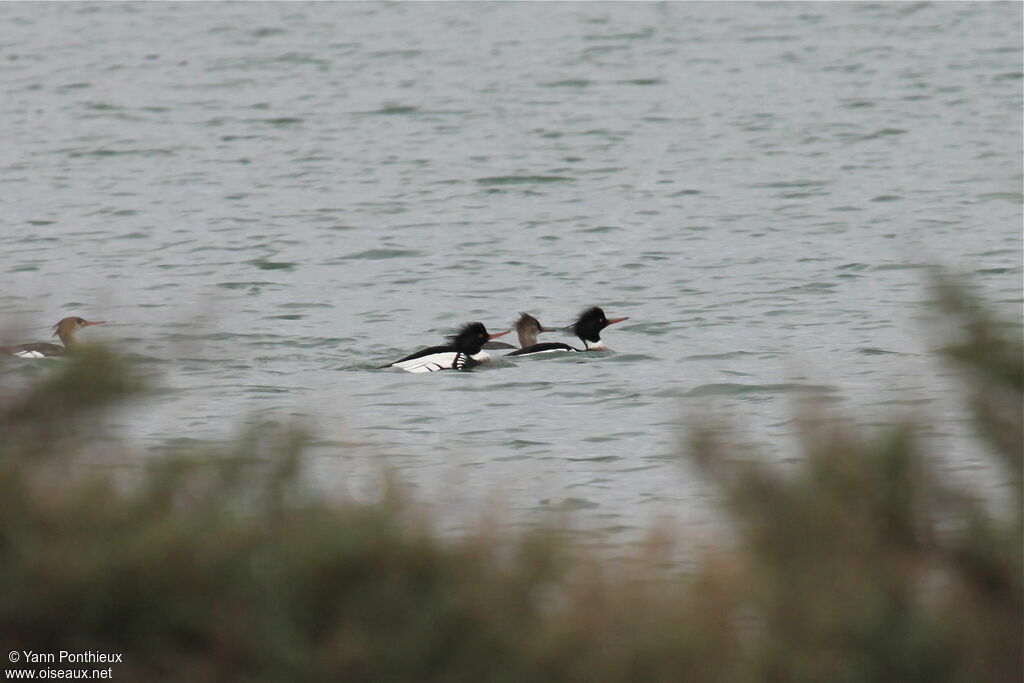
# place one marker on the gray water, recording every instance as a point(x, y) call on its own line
point(266, 201)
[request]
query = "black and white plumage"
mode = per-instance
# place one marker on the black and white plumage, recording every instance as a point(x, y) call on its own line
point(65, 329)
point(587, 327)
point(463, 351)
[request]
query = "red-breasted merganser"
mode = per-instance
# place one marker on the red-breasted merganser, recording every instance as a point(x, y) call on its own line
point(65, 329)
point(463, 351)
point(527, 328)
point(587, 327)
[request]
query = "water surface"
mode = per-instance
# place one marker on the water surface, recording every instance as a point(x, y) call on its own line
point(268, 200)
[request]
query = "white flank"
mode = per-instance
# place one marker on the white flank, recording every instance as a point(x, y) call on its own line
point(431, 363)
point(28, 354)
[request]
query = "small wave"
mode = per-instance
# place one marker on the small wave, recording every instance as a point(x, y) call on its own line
point(263, 264)
point(244, 285)
point(377, 254)
point(568, 83)
point(570, 504)
point(394, 110)
point(627, 357)
point(521, 179)
point(732, 389)
point(874, 351)
point(525, 443)
point(153, 152)
point(280, 121)
point(642, 81)
point(729, 355)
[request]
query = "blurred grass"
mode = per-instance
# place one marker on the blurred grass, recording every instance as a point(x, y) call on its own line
point(862, 564)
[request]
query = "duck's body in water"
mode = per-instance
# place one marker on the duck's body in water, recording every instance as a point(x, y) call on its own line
point(463, 351)
point(587, 327)
point(65, 329)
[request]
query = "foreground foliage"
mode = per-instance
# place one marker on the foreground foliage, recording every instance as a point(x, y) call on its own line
point(862, 564)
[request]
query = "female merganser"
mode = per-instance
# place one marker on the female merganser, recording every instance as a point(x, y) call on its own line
point(65, 329)
point(587, 327)
point(463, 351)
point(527, 328)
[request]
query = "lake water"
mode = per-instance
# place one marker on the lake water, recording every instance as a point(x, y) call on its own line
point(266, 201)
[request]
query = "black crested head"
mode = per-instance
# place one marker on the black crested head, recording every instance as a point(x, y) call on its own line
point(469, 338)
point(590, 323)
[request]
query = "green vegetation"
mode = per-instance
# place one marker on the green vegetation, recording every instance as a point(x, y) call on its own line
point(861, 564)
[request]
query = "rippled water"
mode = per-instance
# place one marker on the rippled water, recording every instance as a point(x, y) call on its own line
point(268, 200)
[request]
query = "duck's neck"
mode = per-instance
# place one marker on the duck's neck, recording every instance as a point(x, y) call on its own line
point(67, 337)
point(527, 338)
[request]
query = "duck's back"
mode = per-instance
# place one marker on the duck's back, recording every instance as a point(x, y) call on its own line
point(35, 350)
point(433, 359)
point(547, 347)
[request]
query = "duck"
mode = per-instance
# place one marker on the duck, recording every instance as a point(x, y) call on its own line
point(464, 351)
point(587, 327)
point(65, 329)
point(527, 328)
